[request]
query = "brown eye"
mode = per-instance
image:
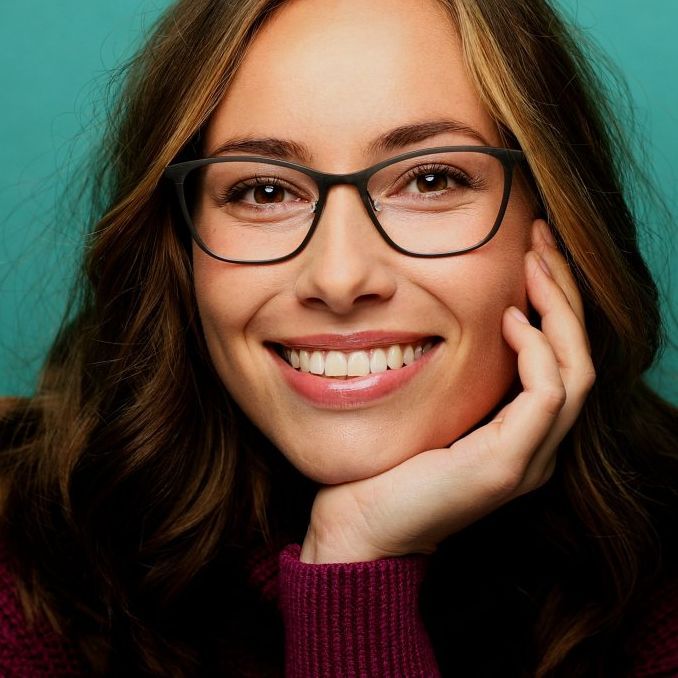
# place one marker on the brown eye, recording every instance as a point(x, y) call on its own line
point(268, 194)
point(432, 182)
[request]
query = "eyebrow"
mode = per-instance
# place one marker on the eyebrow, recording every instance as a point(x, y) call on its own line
point(285, 149)
point(411, 134)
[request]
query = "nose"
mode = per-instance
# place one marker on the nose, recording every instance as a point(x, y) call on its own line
point(346, 265)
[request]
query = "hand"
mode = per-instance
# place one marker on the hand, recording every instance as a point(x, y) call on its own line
point(412, 507)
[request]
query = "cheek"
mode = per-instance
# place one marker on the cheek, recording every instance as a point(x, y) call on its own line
point(479, 286)
point(484, 365)
point(225, 313)
point(228, 296)
point(218, 309)
point(492, 292)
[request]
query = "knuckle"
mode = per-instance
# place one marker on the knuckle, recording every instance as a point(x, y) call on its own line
point(553, 398)
point(537, 478)
point(582, 382)
point(547, 473)
point(506, 478)
point(588, 377)
point(533, 484)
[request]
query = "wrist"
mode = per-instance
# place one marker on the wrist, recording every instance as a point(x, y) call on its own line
point(322, 551)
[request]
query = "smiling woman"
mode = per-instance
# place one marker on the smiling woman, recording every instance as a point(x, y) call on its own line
point(354, 384)
point(349, 283)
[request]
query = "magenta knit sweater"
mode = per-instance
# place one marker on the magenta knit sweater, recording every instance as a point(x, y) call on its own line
point(351, 619)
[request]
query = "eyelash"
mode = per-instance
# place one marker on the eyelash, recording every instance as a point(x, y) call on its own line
point(242, 187)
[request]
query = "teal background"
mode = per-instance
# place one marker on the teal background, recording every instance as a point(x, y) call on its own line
point(57, 58)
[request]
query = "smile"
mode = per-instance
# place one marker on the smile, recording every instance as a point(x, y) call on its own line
point(377, 380)
point(358, 363)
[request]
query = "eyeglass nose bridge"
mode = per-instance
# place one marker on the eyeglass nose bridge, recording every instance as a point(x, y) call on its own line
point(358, 180)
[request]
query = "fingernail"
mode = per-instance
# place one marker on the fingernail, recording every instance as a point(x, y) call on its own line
point(518, 314)
point(544, 266)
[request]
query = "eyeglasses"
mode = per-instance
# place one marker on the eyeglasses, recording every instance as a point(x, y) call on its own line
point(435, 202)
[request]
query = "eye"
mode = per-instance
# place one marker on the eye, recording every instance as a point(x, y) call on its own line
point(262, 194)
point(430, 182)
point(434, 180)
point(240, 193)
point(267, 194)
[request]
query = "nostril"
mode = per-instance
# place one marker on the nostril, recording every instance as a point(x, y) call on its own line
point(361, 300)
point(367, 298)
point(315, 301)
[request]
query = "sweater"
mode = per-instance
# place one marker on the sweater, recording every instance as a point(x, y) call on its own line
point(346, 619)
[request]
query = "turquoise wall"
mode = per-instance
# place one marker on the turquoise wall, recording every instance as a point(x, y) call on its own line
point(56, 61)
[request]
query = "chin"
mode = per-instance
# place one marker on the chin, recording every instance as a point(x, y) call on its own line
point(343, 468)
point(336, 463)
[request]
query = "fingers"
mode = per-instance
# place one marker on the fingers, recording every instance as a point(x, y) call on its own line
point(551, 289)
point(560, 324)
point(534, 412)
point(544, 244)
point(554, 294)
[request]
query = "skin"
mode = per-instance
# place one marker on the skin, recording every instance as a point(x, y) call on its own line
point(397, 475)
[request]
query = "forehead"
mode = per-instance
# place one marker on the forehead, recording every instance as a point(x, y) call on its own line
point(334, 75)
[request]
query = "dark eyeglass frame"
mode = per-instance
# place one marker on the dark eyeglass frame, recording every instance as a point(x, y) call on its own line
point(177, 173)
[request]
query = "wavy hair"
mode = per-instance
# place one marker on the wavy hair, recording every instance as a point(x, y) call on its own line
point(131, 481)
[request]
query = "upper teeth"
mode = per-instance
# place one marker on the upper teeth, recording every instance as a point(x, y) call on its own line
point(356, 363)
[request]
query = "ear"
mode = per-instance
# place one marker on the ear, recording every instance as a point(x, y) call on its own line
point(542, 235)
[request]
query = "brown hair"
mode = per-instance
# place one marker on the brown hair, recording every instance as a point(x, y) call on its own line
point(131, 480)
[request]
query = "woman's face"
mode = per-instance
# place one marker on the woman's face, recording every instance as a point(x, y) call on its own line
point(333, 78)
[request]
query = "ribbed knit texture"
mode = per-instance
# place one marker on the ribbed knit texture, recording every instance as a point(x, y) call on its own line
point(349, 620)
point(658, 639)
point(27, 652)
point(354, 619)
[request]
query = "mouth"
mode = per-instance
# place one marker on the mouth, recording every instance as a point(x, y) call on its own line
point(360, 362)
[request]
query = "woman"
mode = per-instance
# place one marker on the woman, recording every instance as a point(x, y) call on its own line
point(298, 418)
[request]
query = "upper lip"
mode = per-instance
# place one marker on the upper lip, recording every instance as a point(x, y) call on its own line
point(353, 341)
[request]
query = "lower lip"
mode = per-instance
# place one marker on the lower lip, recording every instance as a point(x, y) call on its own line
point(333, 393)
